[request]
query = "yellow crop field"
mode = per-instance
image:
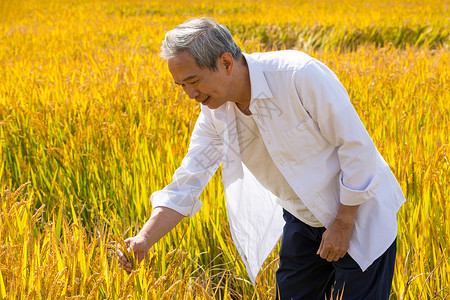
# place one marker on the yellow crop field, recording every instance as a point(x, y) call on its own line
point(91, 124)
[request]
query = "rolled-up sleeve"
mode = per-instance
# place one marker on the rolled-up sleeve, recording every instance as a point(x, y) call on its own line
point(198, 166)
point(328, 104)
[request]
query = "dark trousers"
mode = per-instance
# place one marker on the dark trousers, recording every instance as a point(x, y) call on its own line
point(304, 275)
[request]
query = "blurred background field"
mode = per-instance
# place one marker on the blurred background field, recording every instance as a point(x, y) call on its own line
point(89, 114)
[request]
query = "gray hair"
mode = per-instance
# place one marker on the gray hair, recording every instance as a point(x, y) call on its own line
point(205, 39)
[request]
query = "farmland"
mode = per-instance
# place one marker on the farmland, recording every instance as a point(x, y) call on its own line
point(91, 118)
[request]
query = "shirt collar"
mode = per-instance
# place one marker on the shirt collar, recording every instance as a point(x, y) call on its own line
point(259, 86)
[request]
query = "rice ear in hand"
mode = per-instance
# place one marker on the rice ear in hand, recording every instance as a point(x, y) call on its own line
point(129, 253)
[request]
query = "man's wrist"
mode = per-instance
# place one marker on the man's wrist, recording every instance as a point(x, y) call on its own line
point(145, 240)
point(346, 215)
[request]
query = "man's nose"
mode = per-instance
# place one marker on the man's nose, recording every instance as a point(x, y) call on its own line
point(191, 91)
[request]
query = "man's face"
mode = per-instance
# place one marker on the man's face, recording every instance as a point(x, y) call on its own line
point(210, 88)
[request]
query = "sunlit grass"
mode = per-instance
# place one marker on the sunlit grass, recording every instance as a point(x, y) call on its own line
point(90, 116)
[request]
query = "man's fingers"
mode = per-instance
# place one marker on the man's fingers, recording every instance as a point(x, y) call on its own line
point(122, 257)
point(119, 254)
point(320, 248)
point(335, 257)
point(123, 262)
point(128, 242)
point(324, 252)
point(329, 253)
point(125, 268)
point(125, 265)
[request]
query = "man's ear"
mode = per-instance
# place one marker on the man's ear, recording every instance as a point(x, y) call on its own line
point(227, 61)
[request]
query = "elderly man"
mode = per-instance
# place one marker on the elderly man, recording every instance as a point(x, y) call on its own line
point(292, 148)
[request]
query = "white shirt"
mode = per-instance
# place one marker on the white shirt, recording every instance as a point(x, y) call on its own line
point(319, 144)
point(256, 158)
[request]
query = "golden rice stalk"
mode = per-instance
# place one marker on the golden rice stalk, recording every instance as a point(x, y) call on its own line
point(58, 284)
point(90, 279)
point(37, 215)
point(122, 247)
point(201, 292)
point(52, 272)
point(175, 258)
point(151, 260)
point(32, 295)
point(161, 281)
point(176, 253)
point(186, 277)
point(169, 293)
point(12, 197)
point(127, 286)
point(95, 288)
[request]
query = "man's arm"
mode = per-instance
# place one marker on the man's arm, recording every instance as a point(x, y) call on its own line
point(180, 198)
point(161, 221)
point(328, 104)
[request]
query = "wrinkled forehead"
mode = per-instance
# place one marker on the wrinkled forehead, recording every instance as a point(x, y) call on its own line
point(183, 67)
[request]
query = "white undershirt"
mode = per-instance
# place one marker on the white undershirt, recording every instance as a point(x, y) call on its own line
point(256, 158)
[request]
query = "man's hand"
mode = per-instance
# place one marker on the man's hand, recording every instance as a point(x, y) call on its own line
point(336, 239)
point(139, 246)
point(162, 220)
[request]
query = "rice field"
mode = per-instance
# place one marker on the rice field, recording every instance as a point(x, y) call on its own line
point(91, 124)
